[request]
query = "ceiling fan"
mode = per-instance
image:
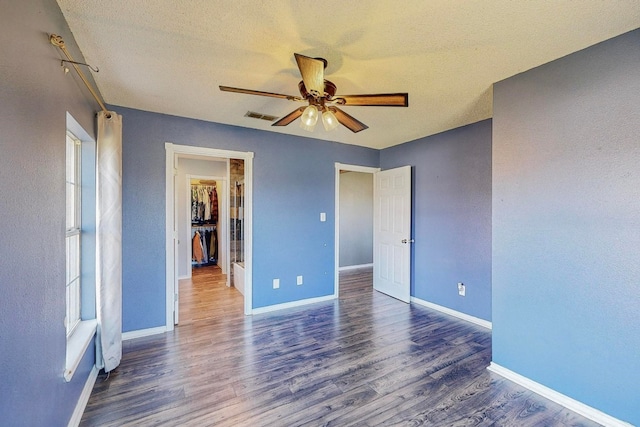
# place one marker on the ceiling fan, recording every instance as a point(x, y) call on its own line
point(320, 94)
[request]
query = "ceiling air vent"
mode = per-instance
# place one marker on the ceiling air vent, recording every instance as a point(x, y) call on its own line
point(255, 115)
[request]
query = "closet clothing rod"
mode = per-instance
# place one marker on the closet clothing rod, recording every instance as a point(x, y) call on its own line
point(57, 41)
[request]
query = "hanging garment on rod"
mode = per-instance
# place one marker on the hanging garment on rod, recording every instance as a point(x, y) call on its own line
point(213, 197)
point(205, 245)
point(205, 248)
point(212, 245)
point(198, 253)
point(206, 240)
point(204, 204)
point(194, 208)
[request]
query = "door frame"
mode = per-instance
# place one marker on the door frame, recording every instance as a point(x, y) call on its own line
point(172, 153)
point(338, 168)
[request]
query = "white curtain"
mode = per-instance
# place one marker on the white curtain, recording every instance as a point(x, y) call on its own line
point(109, 241)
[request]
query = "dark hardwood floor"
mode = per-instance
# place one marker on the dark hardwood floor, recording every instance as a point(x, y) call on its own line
point(363, 360)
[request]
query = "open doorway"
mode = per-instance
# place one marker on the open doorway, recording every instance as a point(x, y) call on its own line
point(202, 215)
point(209, 202)
point(354, 219)
point(207, 223)
point(179, 243)
point(203, 218)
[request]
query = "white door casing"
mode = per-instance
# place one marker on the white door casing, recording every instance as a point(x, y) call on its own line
point(392, 233)
point(173, 150)
point(176, 287)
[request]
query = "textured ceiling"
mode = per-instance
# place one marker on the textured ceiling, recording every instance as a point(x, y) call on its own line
point(169, 56)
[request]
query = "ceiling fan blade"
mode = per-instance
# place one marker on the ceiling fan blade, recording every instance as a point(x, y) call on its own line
point(375, 100)
point(312, 71)
point(289, 117)
point(353, 124)
point(258, 92)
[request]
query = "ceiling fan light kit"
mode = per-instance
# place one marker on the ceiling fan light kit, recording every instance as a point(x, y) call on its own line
point(309, 118)
point(329, 120)
point(320, 94)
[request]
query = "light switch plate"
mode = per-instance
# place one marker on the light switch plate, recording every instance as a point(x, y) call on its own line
point(461, 289)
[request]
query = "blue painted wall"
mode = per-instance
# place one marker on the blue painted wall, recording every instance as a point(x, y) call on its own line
point(451, 214)
point(566, 225)
point(35, 96)
point(293, 183)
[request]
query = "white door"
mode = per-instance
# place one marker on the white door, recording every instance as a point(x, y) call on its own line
point(392, 232)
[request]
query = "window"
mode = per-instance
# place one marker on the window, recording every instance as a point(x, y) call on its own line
point(73, 233)
point(80, 242)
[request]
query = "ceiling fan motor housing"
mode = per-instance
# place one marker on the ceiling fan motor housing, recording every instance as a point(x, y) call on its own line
point(329, 91)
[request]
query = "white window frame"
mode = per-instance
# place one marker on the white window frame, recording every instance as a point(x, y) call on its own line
point(79, 332)
point(73, 233)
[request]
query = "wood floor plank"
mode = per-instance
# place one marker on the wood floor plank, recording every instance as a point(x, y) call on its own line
point(364, 359)
point(407, 397)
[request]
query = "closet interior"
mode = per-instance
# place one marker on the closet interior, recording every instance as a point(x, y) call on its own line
point(204, 223)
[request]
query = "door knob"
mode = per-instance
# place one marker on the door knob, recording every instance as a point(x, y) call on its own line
point(408, 240)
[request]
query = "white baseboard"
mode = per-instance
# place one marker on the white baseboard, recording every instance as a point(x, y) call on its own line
point(84, 398)
point(569, 403)
point(355, 267)
point(292, 304)
point(454, 313)
point(143, 333)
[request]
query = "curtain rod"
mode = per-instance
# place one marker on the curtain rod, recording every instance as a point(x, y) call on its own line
point(59, 42)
